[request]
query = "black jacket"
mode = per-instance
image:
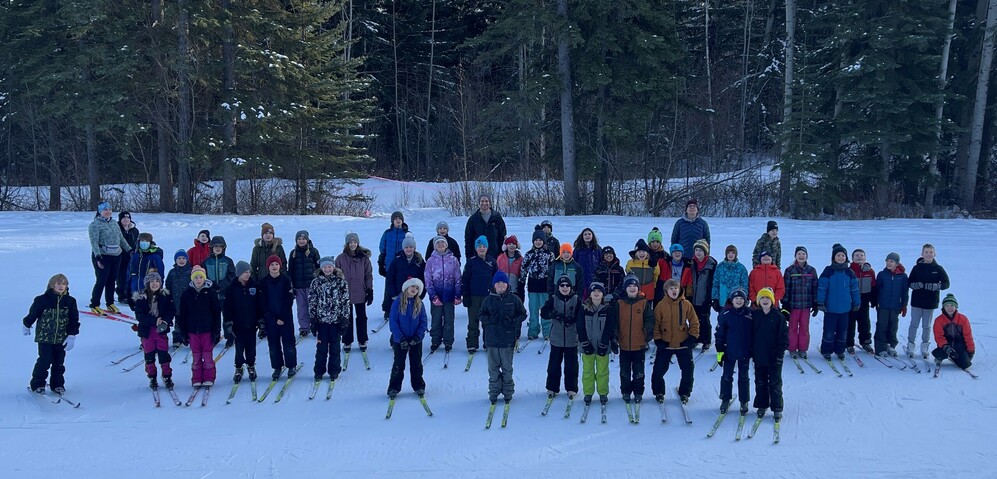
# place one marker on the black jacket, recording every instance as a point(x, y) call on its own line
point(242, 306)
point(770, 333)
point(302, 264)
point(200, 311)
point(451, 245)
point(276, 297)
point(501, 316)
point(143, 305)
point(57, 317)
point(926, 280)
point(494, 230)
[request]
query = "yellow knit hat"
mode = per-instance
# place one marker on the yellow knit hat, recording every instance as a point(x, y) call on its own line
point(765, 293)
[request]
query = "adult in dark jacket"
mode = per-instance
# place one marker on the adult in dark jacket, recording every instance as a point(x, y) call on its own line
point(502, 315)
point(927, 278)
point(690, 228)
point(242, 317)
point(443, 229)
point(636, 318)
point(129, 231)
point(276, 296)
point(58, 323)
point(733, 339)
point(146, 257)
point(355, 264)
point(263, 247)
point(488, 223)
point(106, 248)
point(890, 303)
point(770, 338)
point(563, 311)
point(302, 264)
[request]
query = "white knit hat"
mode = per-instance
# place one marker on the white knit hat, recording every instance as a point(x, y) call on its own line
point(413, 282)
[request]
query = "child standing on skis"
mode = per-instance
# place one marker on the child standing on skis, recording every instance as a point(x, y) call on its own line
point(837, 294)
point(953, 335)
point(646, 270)
point(510, 262)
point(609, 272)
point(587, 253)
point(767, 275)
point(701, 272)
point(636, 327)
point(444, 289)
point(866, 278)
point(408, 324)
point(734, 338)
point(801, 301)
point(154, 312)
point(329, 310)
point(475, 284)
point(676, 332)
point(770, 338)
point(535, 265)
point(221, 272)
point(891, 302)
point(302, 268)
point(276, 297)
point(563, 310)
point(927, 278)
point(58, 323)
point(354, 262)
point(730, 275)
point(176, 283)
point(146, 257)
point(200, 319)
point(597, 332)
point(502, 315)
point(242, 317)
point(388, 248)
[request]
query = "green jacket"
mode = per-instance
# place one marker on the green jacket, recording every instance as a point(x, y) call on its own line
point(56, 315)
point(106, 238)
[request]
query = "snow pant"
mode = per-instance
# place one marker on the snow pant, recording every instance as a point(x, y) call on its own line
point(283, 352)
point(386, 302)
point(922, 317)
point(743, 381)
point(359, 322)
point(105, 279)
point(632, 373)
point(500, 373)
point(414, 355)
point(49, 356)
point(768, 386)
point(536, 302)
point(203, 362)
point(301, 299)
point(705, 331)
point(859, 318)
point(156, 345)
point(887, 322)
point(569, 357)
point(327, 351)
point(245, 347)
point(473, 304)
point(833, 340)
point(960, 358)
point(441, 330)
point(799, 330)
point(595, 374)
point(122, 287)
point(662, 359)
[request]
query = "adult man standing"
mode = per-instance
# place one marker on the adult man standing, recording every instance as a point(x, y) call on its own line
point(690, 228)
point(485, 222)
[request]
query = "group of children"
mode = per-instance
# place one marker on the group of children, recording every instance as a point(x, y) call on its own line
point(581, 300)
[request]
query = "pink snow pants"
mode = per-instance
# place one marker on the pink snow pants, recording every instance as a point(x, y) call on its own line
point(799, 330)
point(203, 367)
point(156, 345)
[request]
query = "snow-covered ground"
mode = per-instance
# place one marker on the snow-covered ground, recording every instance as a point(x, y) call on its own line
point(880, 423)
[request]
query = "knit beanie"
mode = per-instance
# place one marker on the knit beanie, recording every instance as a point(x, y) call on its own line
point(442, 224)
point(654, 235)
point(837, 248)
point(565, 247)
point(274, 259)
point(151, 276)
point(510, 240)
point(676, 247)
point(950, 298)
point(548, 224)
point(218, 241)
point(738, 293)
point(198, 271)
point(437, 239)
point(266, 227)
point(893, 256)
point(241, 268)
point(206, 233)
point(539, 235)
point(598, 286)
point(801, 248)
point(398, 215)
point(762, 255)
point(481, 241)
point(122, 214)
point(642, 246)
point(630, 279)
point(564, 279)
point(408, 241)
point(301, 234)
point(766, 293)
point(703, 245)
point(351, 236)
point(500, 277)
point(326, 260)
point(608, 250)
point(771, 225)
point(692, 201)
point(180, 253)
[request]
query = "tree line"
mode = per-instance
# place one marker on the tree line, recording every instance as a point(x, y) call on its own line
point(878, 105)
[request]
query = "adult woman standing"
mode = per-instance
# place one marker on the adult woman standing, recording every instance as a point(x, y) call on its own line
point(106, 246)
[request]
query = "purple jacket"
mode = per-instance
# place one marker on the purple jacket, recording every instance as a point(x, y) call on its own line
point(359, 273)
point(443, 277)
point(589, 260)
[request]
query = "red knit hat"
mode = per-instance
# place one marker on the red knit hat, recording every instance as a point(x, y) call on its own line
point(510, 240)
point(274, 259)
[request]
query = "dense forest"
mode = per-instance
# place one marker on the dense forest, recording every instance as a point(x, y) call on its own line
point(878, 107)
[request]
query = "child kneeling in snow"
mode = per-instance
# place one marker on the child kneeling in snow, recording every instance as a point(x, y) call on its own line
point(953, 335)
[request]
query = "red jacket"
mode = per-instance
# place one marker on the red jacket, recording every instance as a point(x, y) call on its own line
point(866, 277)
point(199, 253)
point(766, 276)
point(948, 329)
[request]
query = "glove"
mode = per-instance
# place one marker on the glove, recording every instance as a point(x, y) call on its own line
point(813, 310)
point(415, 343)
point(903, 311)
point(855, 308)
point(568, 321)
point(916, 286)
point(313, 328)
point(716, 305)
point(100, 265)
point(949, 351)
point(404, 345)
point(69, 342)
point(437, 302)
point(587, 348)
point(785, 314)
point(614, 346)
point(381, 270)
point(262, 334)
point(602, 350)
point(27, 331)
point(720, 357)
point(370, 297)
point(821, 308)
point(690, 342)
point(661, 344)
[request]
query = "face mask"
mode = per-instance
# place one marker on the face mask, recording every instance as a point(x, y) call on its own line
point(144, 244)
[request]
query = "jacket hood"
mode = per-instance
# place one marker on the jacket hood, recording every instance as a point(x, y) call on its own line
point(360, 252)
point(259, 241)
point(335, 272)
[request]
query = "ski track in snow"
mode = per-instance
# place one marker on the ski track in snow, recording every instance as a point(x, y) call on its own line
point(855, 422)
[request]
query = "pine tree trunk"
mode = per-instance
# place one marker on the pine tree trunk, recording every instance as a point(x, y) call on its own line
point(571, 198)
point(785, 175)
point(55, 171)
point(711, 112)
point(429, 85)
point(398, 109)
point(933, 179)
point(185, 200)
point(968, 186)
point(162, 119)
point(883, 185)
point(229, 204)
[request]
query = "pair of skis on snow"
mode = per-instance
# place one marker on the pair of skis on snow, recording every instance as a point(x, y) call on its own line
point(287, 384)
point(422, 400)
point(740, 424)
point(59, 398)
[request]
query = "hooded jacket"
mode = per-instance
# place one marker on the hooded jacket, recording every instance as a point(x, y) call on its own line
point(443, 277)
point(767, 276)
point(477, 277)
point(837, 289)
point(735, 333)
point(303, 264)
point(675, 321)
point(954, 331)
point(636, 322)
point(730, 275)
point(329, 299)
point(565, 312)
point(57, 317)
point(610, 274)
point(646, 273)
point(262, 251)
point(198, 253)
point(140, 265)
point(770, 333)
point(512, 267)
point(390, 244)
point(358, 271)
point(892, 289)
point(150, 308)
point(536, 265)
point(242, 306)
point(177, 281)
point(599, 324)
point(407, 326)
point(702, 274)
point(766, 244)
point(501, 316)
point(569, 268)
point(200, 311)
point(221, 271)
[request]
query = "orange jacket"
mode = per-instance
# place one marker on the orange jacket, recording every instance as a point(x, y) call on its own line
point(954, 325)
point(674, 321)
point(766, 276)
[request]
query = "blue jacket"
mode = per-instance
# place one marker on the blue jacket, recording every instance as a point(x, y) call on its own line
point(139, 266)
point(589, 260)
point(728, 276)
point(406, 327)
point(221, 271)
point(891, 289)
point(391, 244)
point(734, 333)
point(686, 232)
point(838, 289)
point(403, 268)
point(477, 277)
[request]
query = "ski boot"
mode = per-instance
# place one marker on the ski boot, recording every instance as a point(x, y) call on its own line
point(347, 348)
point(638, 399)
point(851, 349)
point(706, 347)
point(197, 385)
point(793, 354)
point(660, 398)
point(761, 412)
point(318, 377)
point(276, 375)
point(39, 390)
point(229, 343)
point(684, 399)
point(153, 384)
point(892, 351)
point(803, 354)
point(208, 384)
point(841, 356)
point(724, 406)
point(626, 399)
point(777, 415)
point(571, 395)
point(603, 399)
point(588, 399)
point(868, 348)
point(911, 347)
point(924, 350)
point(744, 408)
point(827, 357)
point(252, 373)
point(168, 382)
point(59, 390)
point(363, 347)
point(420, 392)
point(238, 375)
point(433, 348)
point(112, 308)
point(447, 348)
point(291, 372)
point(96, 310)
point(303, 333)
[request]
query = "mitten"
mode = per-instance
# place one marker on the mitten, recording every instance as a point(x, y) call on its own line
point(603, 349)
point(27, 331)
point(821, 308)
point(404, 345)
point(660, 343)
point(587, 348)
point(814, 309)
point(381, 269)
point(716, 305)
point(415, 343)
point(720, 357)
point(69, 342)
point(614, 346)
point(916, 286)
point(370, 297)
point(949, 351)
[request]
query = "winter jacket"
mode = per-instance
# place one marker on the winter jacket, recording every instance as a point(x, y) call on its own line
point(130, 235)
point(477, 277)
point(866, 278)
point(553, 245)
point(892, 289)
point(599, 324)
point(242, 305)
point(954, 331)
point(927, 279)
point(837, 289)
point(149, 309)
point(702, 280)
point(443, 277)
point(452, 246)
point(407, 326)
point(668, 269)
point(200, 311)
point(801, 286)
point(766, 276)
point(656, 255)
point(636, 322)
point(513, 267)
point(358, 271)
point(536, 265)
point(494, 230)
point(571, 269)
point(686, 231)
point(302, 265)
point(140, 264)
point(276, 296)
point(200, 252)
point(262, 251)
point(675, 321)
point(329, 299)
point(565, 312)
point(105, 238)
point(501, 316)
point(611, 274)
point(731, 275)
point(766, 244)
point(770, 333)
point(390, 245)
point(646, 273)
point(177, 281)
point(221, 271)
point(57, 317)
point(589, 260)
point(734, 334)
point(403, 268)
